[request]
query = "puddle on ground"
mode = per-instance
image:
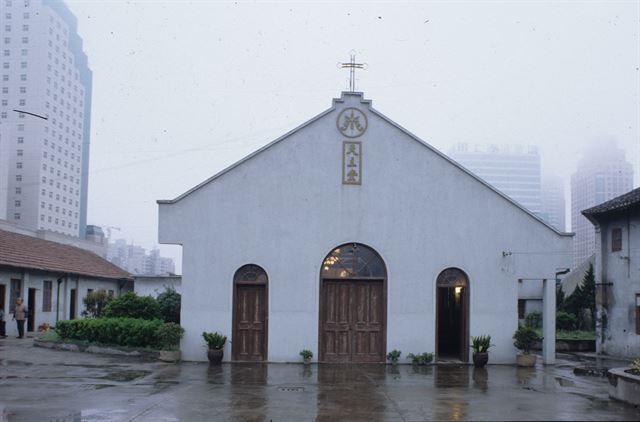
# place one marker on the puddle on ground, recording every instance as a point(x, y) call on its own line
point(564, 382)
point(9, 362)
point(125, 376)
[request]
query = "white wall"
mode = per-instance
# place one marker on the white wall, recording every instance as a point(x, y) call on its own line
point(153, 286)
point(622, 269)
point(35, 279)
point(286, 209)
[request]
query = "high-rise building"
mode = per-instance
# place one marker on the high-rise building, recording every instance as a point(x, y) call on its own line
point(602, 174)
point(512, 169)
point(45, 116)
point(553, 203)
point(135, 259)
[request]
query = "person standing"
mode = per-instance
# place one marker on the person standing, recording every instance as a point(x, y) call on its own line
point(20, 314)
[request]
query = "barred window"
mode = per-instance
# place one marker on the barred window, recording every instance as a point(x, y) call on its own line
point(616, 240)
point(47, 289)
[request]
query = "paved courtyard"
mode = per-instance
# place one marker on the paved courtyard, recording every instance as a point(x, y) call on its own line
point(46, 385)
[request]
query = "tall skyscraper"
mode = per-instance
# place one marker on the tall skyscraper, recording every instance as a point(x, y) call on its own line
point(602, 174)
point(512, 169)
point(553, 203)
point(45, 116)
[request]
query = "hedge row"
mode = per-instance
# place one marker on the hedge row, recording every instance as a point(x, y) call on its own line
point(130, 332)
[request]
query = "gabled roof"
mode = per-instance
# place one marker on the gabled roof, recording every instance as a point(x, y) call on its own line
point(21, 251)
point(388, 120)
point(624, 202)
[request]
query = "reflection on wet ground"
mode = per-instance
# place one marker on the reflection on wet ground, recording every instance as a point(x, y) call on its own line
point(43, 384)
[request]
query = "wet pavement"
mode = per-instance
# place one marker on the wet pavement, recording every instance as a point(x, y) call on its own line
point(48, 385)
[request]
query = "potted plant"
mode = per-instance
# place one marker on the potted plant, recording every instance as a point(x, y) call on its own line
point(393, 356)
point(306, 356)
point(215, 342)
point(524, 339)
point(480, 346)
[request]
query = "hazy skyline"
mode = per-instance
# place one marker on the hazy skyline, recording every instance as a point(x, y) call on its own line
point(182, 90)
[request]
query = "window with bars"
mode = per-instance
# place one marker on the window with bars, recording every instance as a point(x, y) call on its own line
point(47, 290)
point(616, 239)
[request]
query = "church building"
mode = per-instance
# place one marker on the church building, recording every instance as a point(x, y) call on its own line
point(351, 237)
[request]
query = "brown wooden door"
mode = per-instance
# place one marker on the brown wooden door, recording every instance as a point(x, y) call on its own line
point(249, 337)
point(353, 323)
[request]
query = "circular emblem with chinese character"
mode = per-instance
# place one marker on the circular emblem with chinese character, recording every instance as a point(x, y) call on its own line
point(352, 122)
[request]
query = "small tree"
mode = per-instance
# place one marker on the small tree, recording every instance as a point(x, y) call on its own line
point(95, 302)
point(130, 305)
point(589, 296)
point(583, 299)
point(169, 302)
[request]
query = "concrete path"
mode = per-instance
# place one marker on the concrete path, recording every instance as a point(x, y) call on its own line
point(46, 385)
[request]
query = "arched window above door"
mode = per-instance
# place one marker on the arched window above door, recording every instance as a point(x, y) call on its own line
point(250, 274)
point(353, 260)
point(452, 277)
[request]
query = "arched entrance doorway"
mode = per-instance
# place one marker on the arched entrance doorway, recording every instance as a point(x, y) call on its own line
point(353, 305)
point(452, 315)
point(250, 316)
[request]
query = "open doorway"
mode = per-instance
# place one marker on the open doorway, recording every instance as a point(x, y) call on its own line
point(31, 306)
point(73, 300)
point(452, 316)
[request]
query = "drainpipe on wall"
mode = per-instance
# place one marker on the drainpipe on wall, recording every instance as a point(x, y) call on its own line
point(59, 280)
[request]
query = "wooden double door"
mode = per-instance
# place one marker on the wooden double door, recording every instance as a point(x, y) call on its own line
point(352, 321)
point(250, 323)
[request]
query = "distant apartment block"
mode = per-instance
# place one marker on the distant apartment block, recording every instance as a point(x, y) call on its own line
point(553, 202)
point(135, 259)
point(45, 114)
point(512, 169)
point(603, 174)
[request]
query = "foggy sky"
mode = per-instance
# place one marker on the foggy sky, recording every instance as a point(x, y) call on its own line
point(182, 90)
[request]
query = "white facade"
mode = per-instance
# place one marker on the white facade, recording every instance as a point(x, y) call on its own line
point(56, 306)
point(286, 207)
point(145, 285)
point(617, 276)
point(45, 74)
point(602, 174)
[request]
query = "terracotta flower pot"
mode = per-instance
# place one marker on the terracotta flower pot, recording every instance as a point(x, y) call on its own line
point(480, 359)
point(526, 360)
point(215, 356)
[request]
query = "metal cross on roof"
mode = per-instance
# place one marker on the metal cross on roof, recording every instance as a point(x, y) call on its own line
point(352, 66)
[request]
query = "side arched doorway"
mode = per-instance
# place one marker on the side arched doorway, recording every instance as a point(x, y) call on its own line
point(250, 314)
point(353, 305)
point(452, 315)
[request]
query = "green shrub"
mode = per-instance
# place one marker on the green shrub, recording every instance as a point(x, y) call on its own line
point(130, 305)
point(117, 331)
point(635, 367)
point(95, 302)
point(169, 335)
point(565, 321)
point(215, 341)
point(394, 355)
point(169, 302)
point(306, 354)
point(525, 337)
point(533, 319)
point(421, 358)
